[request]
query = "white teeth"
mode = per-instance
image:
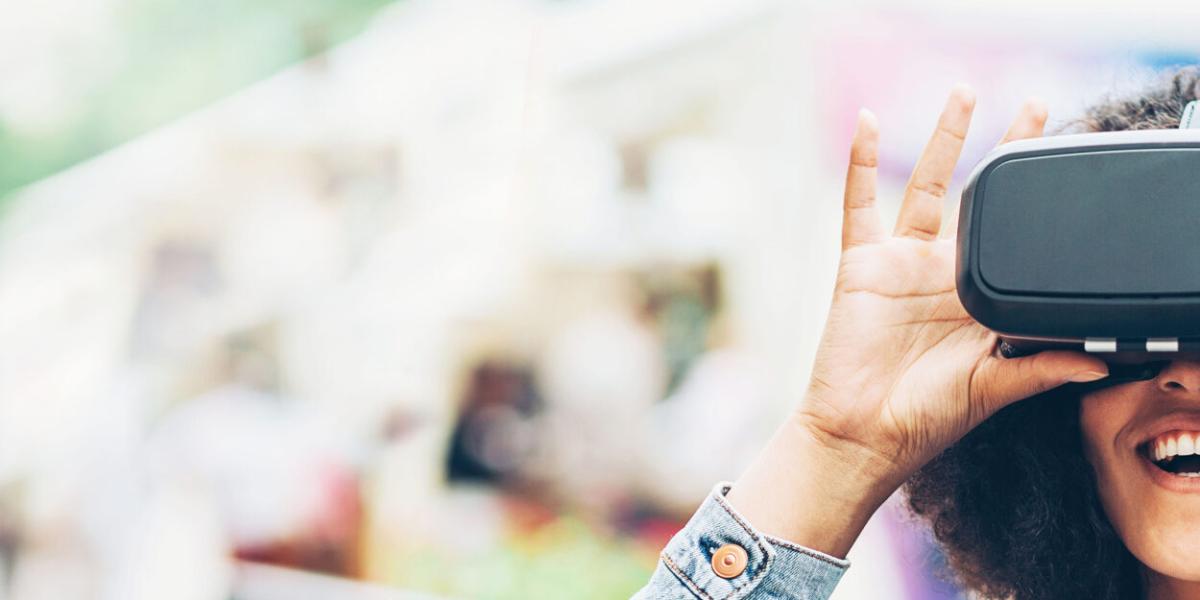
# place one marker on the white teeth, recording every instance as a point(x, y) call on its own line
point(1177, 443)
point(1187, 445)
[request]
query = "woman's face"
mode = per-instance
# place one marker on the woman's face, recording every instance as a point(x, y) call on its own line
point(1143, 440)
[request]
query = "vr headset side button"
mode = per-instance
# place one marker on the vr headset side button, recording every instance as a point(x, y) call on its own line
point(1162, 345)
point(1100, 345)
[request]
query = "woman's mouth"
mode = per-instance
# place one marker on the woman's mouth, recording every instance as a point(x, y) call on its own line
point(1175, 452)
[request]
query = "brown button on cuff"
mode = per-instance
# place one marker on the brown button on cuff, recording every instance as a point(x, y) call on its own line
point(729, 561)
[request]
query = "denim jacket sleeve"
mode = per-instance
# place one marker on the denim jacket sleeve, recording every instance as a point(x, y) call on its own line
point(775, 569)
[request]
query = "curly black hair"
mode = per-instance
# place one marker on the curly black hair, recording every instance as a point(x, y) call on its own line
point(1014, 503)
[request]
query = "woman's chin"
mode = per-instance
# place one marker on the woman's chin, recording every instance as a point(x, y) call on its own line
point(1169, 546)
point(1157, 516)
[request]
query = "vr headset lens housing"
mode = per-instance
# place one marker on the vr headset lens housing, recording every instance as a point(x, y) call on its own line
point(1087, 242)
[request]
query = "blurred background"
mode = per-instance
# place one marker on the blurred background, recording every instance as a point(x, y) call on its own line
point(450, 298)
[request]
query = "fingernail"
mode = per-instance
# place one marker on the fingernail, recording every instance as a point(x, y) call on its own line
point(866, 123)
point(965, 91)
point(1089, 375)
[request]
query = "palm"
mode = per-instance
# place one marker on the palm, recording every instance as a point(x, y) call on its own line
point(902, 369)
point(896, 302)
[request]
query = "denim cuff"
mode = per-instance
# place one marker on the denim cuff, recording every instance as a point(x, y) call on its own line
point(775, 568)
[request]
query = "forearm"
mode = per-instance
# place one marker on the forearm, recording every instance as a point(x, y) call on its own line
point(811, 492)
point(783, 529)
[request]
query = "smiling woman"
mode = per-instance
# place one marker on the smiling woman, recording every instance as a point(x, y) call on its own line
point(1058, 497)
point(1035, 490)
point(1065, 496)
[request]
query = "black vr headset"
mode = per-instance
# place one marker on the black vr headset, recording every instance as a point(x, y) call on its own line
point(1088, 242)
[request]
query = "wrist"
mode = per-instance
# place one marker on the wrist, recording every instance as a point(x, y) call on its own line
point(808, 490)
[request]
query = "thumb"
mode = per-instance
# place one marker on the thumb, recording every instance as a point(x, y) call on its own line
point(1002, 381)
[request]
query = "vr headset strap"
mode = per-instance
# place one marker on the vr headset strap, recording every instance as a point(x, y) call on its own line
point(1189, 120)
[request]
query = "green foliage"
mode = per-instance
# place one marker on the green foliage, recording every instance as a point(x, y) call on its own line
point(564, 559)
point(171, 57)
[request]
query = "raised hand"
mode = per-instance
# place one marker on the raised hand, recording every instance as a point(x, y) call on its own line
point(902, 370)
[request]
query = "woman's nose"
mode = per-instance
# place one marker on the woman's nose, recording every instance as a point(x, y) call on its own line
point(1180, 376)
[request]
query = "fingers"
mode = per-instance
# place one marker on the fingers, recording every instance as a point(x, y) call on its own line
point(1030, 122)
point(1001, 382)
point(860, 221)
point(921, 210)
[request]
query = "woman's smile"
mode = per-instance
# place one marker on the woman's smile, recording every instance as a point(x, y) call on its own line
point(1051, 474)
point(1171, 457)
point(1168, 445)
point(1153, 506)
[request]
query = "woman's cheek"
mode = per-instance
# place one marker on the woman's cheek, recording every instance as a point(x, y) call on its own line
point(1102, 416)
point(1160, 527)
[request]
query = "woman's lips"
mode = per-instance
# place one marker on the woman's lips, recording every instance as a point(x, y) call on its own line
point(1179, 421)
point(1169, 481)
point(1158, 452)
point(1171, 436)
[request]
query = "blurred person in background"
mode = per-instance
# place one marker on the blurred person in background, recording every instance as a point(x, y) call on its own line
point(1056, 497)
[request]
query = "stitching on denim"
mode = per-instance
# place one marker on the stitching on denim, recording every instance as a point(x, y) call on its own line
point(719, 496)
point(691, 585)
point(770, 556)
point(807, 551)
